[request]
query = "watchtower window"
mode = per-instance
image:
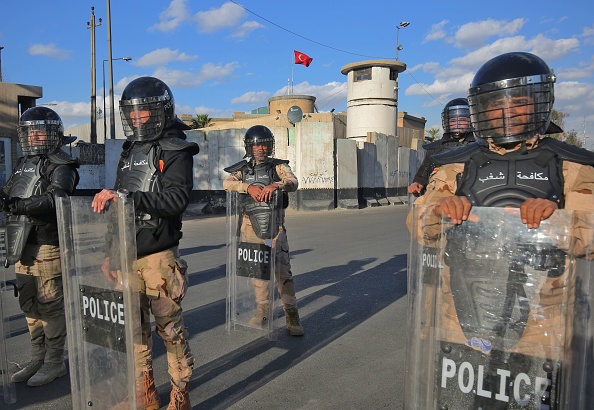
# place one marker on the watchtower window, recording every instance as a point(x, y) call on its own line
point(362, 75)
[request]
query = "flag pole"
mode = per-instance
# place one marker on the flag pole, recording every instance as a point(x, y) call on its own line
point(292, 70)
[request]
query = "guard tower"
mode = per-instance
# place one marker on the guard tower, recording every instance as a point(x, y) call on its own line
point(372, 97)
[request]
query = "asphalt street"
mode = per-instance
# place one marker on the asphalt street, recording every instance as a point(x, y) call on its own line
point(350, 275)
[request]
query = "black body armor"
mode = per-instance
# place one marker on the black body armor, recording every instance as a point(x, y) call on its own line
point(260, 213)
point(31, 177)
point(138, 170)
point(491, 179)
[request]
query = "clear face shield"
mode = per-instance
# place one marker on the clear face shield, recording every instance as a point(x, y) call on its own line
point(513, 112)
point(456, 120)
point(259, 148)
point(142, 120)
point(40, 137)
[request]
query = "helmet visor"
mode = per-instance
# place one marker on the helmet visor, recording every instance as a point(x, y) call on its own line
point(40, 137)
point(512, 114)
point(456, 119)
point(259, 148)
point(142, 120)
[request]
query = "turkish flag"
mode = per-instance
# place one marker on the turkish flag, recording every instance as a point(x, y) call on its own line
point(301, 58)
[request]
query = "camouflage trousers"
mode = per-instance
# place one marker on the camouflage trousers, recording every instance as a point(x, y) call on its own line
point(163, 283)
point(284, 276)
point(41, 298)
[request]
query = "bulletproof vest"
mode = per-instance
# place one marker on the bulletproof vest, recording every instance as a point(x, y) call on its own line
point(260, 213)
point(138, 172)
point(27, 180)
point(491, 179)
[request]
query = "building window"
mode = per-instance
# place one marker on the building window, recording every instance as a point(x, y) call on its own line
point(362, 75)
point(393, 75)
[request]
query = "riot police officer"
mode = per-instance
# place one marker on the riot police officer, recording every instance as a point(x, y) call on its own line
point(43, 174)
point(260, 176)
point(512, 164)
point(155, 169)
point(457, 132)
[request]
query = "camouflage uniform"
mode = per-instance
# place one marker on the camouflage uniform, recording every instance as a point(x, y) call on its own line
point(284, 277)
point(41, 297)
point(163, 285)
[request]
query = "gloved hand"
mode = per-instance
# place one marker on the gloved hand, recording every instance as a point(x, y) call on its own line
point(16, 206)
point(4, 201)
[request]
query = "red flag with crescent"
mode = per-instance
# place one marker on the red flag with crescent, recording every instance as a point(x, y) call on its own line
point(302, 58)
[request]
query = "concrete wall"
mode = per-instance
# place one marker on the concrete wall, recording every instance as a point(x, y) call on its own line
point(332, 172)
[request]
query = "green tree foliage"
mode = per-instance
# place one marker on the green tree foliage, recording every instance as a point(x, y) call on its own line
point(201, 121)
point(570, 137)
point(433, 131)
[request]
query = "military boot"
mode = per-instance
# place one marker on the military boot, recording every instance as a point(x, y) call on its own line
point(293, 322)
point(261, 316)
point(146, 393)
point(179, 399)
point(26, 372)
point(47, 373)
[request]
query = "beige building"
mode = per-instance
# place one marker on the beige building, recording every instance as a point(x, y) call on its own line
point(14, 99)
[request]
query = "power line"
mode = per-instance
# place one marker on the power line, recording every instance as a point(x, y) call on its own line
point(330, 47)
point(305, 38)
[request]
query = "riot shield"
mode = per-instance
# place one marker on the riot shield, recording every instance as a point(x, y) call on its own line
point(499, 314)
point(252, 297)
point(7, 388)
point(103, 317)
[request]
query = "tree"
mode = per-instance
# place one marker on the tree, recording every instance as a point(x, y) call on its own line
point(572, 138)
point(201, 121)
point(432, 133)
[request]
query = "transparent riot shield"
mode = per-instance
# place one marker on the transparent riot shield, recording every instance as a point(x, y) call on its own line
point(7, 388)
point(499, 314)
point(103, 316)
point(252, 297)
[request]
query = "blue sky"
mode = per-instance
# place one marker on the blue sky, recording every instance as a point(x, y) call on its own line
point(219, 57)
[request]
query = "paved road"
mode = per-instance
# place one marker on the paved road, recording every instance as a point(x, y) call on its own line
point(350, 274)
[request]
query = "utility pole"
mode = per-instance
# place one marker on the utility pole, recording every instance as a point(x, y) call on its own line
point(91, 25)
point(1, 47)
point(110, 59)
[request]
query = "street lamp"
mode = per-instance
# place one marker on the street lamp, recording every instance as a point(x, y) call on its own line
point(104, 112)
point(1, 47)
point(398, 45)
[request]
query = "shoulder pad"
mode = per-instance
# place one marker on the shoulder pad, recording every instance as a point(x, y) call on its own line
point(276, 161)
point(59, 157)
point(461, 154)
point(568, 152)
point(178, 144)
point(432, 145)
point(236, 167)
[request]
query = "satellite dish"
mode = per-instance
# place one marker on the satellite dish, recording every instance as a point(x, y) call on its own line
point(295, 114)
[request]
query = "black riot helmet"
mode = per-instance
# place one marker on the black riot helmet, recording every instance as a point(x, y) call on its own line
point(258, 135)
point(147, 108)
point(455, 117)
point(511, 98)
point(40, 131)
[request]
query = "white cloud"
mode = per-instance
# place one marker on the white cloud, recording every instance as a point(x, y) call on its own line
point(436, 32)
point(228, 15)
point(329, 95)
point(172, 17)
point(588, 31)
point(162, 56)
point(474, 34)
point(549, 49)
point(251, 97)
point(442, 88)
point(188, 79)
point(48, 50)
point(246, 29)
